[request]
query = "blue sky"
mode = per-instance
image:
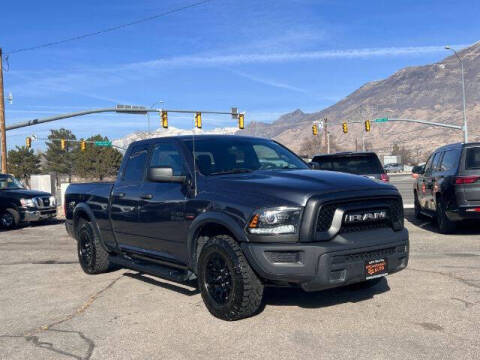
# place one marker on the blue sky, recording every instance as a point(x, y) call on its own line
point(267, 57)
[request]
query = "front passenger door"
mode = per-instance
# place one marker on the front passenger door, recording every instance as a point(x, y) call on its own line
point(162, 207)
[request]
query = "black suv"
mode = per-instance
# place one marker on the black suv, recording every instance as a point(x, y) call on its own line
point(448, 186)
point(358, 163)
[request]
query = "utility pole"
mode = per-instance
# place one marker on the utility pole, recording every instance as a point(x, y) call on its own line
point(325, 128)
point(328, 143)
point(465, 128)
point(2, 120)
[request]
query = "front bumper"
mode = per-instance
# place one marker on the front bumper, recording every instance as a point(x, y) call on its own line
point(322, 265)
point(32, 215)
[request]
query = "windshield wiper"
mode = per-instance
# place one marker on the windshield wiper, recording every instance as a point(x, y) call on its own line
point(232, 171)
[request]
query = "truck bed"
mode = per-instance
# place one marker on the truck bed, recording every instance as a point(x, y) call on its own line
point(97, 196)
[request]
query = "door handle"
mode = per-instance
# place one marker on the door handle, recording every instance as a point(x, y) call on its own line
point(120, 195)
point(147, 196)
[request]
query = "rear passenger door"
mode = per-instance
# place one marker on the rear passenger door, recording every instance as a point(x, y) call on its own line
point(126, 196)
point(430, 181)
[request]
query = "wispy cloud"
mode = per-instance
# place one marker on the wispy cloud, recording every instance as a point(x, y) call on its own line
point(282, 57)
point(269, 82)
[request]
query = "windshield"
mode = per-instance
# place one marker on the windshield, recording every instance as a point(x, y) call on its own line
point(9, 182)
point(359, 165)
point(236, 155)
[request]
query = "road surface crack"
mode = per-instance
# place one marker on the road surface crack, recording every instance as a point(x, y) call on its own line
point(77, 312)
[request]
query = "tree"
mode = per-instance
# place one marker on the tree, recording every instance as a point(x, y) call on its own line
point(23, 163)
point(311, 146)
point(405, 154)
point(97, 162)
point(61, 162)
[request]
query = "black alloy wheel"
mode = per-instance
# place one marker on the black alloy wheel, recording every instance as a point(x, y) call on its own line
point(86, 251)
point(218, 279)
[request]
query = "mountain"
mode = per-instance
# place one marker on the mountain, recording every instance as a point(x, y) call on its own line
point(430, 92)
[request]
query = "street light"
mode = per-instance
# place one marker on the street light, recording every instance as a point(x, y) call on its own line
point(465, 129)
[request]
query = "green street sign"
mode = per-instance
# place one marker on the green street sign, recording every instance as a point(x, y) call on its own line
point(103, 143)
point(381, 120)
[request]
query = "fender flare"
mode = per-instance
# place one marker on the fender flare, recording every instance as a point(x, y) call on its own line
point(84, 208)
point(211, 217)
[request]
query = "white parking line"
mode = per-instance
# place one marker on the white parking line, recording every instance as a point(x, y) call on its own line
point(408, 206)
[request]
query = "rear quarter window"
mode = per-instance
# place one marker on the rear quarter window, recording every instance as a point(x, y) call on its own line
point(472, 158)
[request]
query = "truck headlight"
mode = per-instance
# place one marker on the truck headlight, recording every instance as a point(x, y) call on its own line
point(273, 221)
point(53, 201)
point(27, 203)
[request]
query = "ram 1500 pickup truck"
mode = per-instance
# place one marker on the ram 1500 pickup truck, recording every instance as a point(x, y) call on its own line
point(237, 214)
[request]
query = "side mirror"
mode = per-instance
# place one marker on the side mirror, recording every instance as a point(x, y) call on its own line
point(164, 174)
point(314, 165)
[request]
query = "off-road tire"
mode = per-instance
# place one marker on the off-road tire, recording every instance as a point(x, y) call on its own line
point(444, 224)
point(13, 218)
point(98, 261)
point(245, 296)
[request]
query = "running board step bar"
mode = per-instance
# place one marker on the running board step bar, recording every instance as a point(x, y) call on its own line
point(161, 271)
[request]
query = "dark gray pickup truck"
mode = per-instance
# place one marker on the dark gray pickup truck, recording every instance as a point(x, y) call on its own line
point(238, 214)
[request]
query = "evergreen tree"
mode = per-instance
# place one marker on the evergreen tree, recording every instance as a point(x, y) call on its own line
point(61, 162)
point(23, 162)
point(97, 162)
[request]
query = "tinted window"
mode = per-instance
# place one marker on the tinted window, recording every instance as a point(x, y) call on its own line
point(472, 158)
point(229, 153)
point(432, 163)
point(167, 155)
point(135, 169)
point(449, 161)
point(360, 165)
point(436, 161)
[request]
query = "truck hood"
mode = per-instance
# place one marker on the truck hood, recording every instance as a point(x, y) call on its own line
point(295, 186)
point(22, 193)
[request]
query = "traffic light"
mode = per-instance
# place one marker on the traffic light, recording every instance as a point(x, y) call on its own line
point(241, 121)
point(83, 145)
point(345, 127)
point(198, 120)
point(164, 120)
point(63, 144)
point(28, 142)
point(315, 129)
point(367, 125)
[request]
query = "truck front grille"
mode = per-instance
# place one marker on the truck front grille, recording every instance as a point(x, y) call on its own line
point(393, 206)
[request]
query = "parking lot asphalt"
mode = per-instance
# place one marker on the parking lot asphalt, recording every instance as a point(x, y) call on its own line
point(404, 184)
point(50, 309)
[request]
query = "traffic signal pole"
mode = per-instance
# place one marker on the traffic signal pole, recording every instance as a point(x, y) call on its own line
point(123, 109)
point(2, 120)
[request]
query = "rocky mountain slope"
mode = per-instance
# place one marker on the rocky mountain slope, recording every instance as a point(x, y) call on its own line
point(430, 92)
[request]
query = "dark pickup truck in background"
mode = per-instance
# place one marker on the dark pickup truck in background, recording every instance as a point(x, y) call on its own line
point(18, 204)
point(252, 214)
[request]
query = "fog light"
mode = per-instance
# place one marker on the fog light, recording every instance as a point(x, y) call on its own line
point(338, 275)
point(285, 257)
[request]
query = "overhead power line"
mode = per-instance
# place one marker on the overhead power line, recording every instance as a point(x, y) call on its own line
point(113, 28)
